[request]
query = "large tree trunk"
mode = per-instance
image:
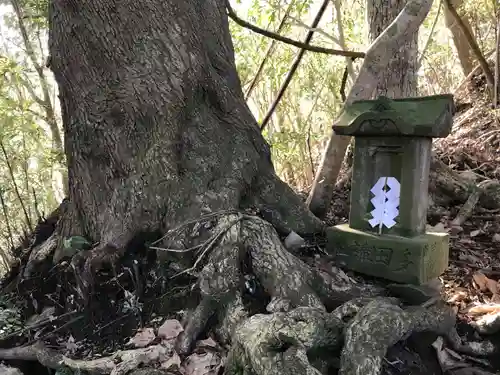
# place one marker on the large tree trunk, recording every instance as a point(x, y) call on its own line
point(159, 139)
point(156, 127)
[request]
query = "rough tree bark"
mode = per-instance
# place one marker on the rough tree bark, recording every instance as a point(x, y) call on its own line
point(391, 51)
point(400, 77)
point(147, 107)
point(157, 135)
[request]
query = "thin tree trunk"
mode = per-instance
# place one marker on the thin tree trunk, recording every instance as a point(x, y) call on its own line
point(337, 5)
point(461, 44)
point(14, 184)
point(45, 101)
point(490, 81)
point(400, 79)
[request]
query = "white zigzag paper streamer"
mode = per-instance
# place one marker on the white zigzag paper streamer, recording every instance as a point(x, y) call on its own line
point(385, 202)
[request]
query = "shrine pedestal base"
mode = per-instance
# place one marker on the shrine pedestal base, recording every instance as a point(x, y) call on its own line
point(414, 260)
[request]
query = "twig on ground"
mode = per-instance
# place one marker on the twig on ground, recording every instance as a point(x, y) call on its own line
point(211, 215)
point(58, 328)
point(112, 322)
point(295, 64)
point(177, 250)
point(37, 325)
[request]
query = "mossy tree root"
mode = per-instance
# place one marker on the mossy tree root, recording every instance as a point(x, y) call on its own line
point(287, 280)
point(306, 340)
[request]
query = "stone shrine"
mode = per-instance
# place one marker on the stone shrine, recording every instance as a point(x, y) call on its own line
point(386, 235)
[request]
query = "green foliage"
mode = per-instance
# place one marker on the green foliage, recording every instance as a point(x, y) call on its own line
point(298, 130)
point(27, 167)
point(10, 317)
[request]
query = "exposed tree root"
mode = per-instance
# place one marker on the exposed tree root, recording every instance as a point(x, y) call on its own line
point(287, 280)
point(120, 363)
point(281, 343)
point(278, 343)
point(299, 335)
point(302, 341)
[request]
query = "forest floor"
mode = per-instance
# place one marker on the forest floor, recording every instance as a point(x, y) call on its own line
point(135, 312)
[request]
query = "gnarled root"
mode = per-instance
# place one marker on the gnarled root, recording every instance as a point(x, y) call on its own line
point(278, 344)
point(382, 323)
point(288, 342)
point(286, 279)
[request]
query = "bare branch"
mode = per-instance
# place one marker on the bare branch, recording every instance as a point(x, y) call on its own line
point(16, 189)
point(29, 87)
point(269, 51)
point(342, 43)
point(316, 29)
point(286, 40)
point(429, 39)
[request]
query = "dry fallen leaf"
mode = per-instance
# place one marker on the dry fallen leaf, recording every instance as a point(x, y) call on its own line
point(481, 281)
point(143, 338)
point(207, 363)
point(210, 343)
point(475, 233)
point(457, 297)
point(173, 363)
point(71, 346)
point(484, 309)
point(170, 329)
point(496, 237)
point(492, 286)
